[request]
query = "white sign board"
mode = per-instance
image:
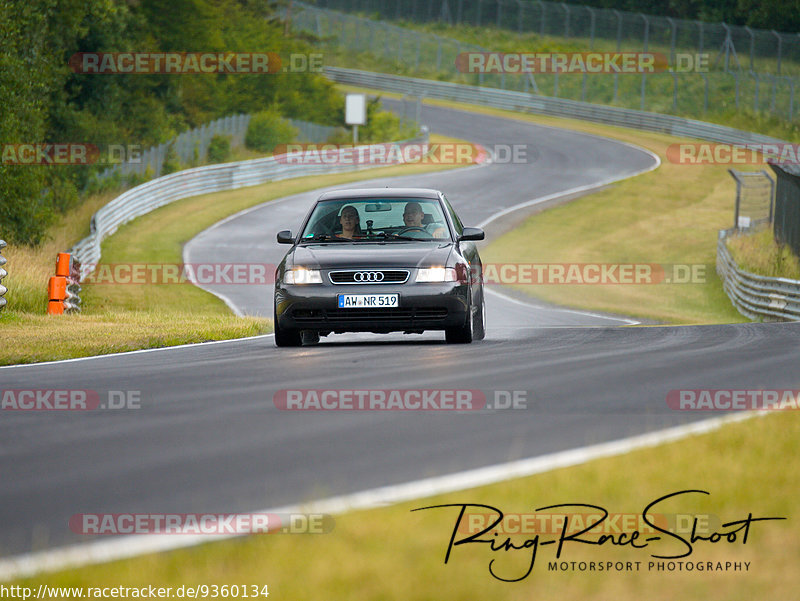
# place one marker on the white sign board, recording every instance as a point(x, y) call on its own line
point(355, 112)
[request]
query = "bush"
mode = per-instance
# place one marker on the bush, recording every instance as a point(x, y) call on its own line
point(219, 149)
point(171, 161)
point(267, 130)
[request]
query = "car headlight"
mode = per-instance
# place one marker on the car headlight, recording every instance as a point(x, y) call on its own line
point(301, 275)
point(436, 274)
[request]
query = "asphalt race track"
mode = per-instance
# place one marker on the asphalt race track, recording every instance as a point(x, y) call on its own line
point(209, 438)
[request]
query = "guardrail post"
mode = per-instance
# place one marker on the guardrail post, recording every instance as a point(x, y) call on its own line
point(541, 22)
point(752, 45)
point(673, 35)
point(619, 41)
point(3, 273)
point(780, 48)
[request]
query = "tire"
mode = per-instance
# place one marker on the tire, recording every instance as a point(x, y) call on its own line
point(479, 328)
point(461, 334)
point(286, 337)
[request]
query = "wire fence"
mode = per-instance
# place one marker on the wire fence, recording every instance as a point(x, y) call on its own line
point(728, 85)
point(191, 147)
point(754, 193)
point(732, 47)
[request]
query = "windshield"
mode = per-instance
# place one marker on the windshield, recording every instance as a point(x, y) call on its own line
point(376, 219)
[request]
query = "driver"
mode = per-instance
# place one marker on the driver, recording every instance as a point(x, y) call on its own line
point(412, 218)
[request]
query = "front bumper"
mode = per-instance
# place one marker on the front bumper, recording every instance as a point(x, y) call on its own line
point(428, 306)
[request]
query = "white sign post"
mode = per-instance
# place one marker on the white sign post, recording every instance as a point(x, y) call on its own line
point(355, 112)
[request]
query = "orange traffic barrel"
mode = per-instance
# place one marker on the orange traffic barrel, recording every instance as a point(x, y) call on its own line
point(62, 264)
point(57, 292)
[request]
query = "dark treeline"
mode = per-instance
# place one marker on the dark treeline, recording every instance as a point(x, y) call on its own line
point(43, 101)
point(780, 15)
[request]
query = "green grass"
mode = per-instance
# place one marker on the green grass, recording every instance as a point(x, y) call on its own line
point(759, 253)
point(394, 553)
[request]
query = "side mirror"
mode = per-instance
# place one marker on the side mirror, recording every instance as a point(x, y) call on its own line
point(285, 237)
point(472, 233)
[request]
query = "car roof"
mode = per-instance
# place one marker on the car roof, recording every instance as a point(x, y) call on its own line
point(426, 193)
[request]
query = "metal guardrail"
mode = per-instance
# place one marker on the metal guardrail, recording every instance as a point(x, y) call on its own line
point(192, 145)
point(192, 182)
point(756, 296)
point(3, 273)
point(545, 105)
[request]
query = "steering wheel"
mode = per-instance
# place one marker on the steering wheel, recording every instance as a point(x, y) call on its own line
point(412, 228)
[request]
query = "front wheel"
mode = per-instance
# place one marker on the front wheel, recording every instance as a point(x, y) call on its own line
point(286, 337)
point(479, 331)
point(461, 334)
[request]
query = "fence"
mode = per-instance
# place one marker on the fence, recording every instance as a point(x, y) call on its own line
point(191, 146)
point(754, 193)
point(192, 182)
point(755, 296)
point(732, 47)
point(426, 54)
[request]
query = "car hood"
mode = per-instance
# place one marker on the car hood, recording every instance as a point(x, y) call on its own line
point(341, 255)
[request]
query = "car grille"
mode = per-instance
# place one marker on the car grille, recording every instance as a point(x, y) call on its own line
point(369, 276)
point(369, 315)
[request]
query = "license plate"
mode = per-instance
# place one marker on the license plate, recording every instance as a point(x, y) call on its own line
point(368, 301)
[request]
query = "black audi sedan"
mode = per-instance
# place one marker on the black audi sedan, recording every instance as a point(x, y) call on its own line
point(380, 260)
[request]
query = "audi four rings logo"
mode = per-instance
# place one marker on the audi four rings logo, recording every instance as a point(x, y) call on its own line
point(368, 276)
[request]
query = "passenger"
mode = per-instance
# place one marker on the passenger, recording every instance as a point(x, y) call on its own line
point(351, 223)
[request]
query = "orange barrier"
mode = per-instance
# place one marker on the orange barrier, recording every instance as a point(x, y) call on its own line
point(57, 286)
point(62, 264)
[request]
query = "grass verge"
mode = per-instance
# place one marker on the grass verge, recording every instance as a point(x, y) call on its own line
point(130, 317)
point(759, 253)
point(392, 553)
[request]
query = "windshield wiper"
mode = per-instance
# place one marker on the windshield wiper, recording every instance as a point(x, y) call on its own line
point(326, 238)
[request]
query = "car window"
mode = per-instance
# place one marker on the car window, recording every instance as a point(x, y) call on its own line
point(456, 221)
point(379, 219)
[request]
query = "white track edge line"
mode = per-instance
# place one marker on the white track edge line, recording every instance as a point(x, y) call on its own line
point(22, 566)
